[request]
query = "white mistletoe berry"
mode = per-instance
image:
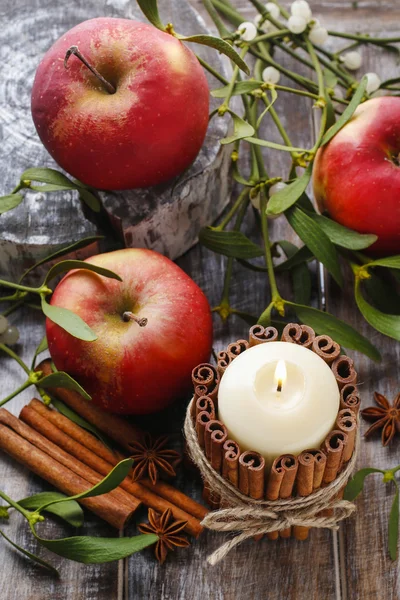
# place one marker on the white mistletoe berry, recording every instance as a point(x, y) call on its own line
point(277, 187)
point(297, 24)
point(247, 31)
point(266, 26)
point(318, 35)
point(373, 82)
point(271, 75)
point(301, 8)
point(273, 10)
point(352, 60)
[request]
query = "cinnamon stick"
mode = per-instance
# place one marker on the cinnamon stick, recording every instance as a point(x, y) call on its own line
point(230, 462)
point(326, 348)
point(343, 370)
point(205, 374)
point(350, 397)
point(309, 478)
point(202, 419)
point(223, 361)
point(237, 348)
point(298, 334)
point(202, 390)
point(252, 474)
point(205, 404)
point(347, 421)
point(333, 447)
point(115, 427)
point(259, 335)
point(214, 437)
point(115, 513)
point(280, 484)
point(159, 497)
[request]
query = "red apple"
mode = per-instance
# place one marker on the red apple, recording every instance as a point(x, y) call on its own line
point(148, 131)
point(357, 175)
point(131, 369)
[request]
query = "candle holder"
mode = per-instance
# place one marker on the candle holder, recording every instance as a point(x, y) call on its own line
point(298, 492)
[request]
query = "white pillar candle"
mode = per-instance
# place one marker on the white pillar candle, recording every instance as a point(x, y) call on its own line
point(278, 398)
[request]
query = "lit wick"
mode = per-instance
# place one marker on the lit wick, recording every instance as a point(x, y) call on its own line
point(280, 375)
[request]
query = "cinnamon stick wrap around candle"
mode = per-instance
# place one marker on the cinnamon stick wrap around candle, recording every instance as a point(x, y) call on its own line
point(259, 335)
point(237, 348)
point(230, 462)
point(202, 419)
point(205, 374)
point(215, 435)
point(280, 483)
point(223, 361)
point(205, 404)
point(252, 474)
point(350, 397)
point(343, 370)
point(333, 447)
point(326, 348)
point(159, 497)
point(309, 478)
point(115, 513)
point(298, 334)
point(202, 390)
point(347, 422)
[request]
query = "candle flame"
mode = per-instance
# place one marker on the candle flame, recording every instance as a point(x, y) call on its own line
point(280, 375)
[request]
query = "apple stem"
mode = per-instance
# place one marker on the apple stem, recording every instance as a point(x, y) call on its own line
point(130, 316)
point(74, 50)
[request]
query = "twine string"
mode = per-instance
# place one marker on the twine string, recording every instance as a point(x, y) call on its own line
point(255, 517)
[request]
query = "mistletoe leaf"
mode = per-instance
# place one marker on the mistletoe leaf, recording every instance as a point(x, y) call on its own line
point(241, 129)
point(347, 113)
point(286, 197)
point(356, 484)
point(229, 243)
point(387, 324)
point(9, 202)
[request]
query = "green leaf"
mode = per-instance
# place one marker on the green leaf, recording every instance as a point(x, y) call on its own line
point(274, 97)
point(75, 418)
point(89, 199)
point(330, 113)
point(241, 129)
point(68, 265)
point(342, 236)
point(286, 197)
point(217, 44)
point(51, 187)
point(107, 484)
point(387, 324)
point(302, 255)
point(383, 294)
point(347, 113)
point(33, 557)
point(63, 380)
point(392, 262)
point(241, 87)
point(62, 251)
point(150, 10)
point(97, 550)
point(330, 78)
point(69, 321)
point(44, 175)
point(275, 146)
point(316, 240)
point(9, 202)
point(393, 532)
point(356, 483)
point(229, 243)
point(251, 267)
point(301, 277)
point(69, 511)
point(341, 332)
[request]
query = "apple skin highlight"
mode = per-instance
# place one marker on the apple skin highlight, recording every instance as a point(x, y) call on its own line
point(356, 176)
point(131, 369)
point(148, 131)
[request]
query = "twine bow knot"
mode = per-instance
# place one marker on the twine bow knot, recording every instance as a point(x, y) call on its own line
point(255, 517)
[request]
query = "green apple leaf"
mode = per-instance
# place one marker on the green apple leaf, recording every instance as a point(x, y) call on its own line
point(150, 10)
point(387, 324)
point(392, 262)
point(217, 44)
point(356, 483)
point(241, 129)
point(342, 236)
point(9, 202)
point(316, 240)
point(393, 531)
point(63, 380)
point(347, 113)
point(69, 321)
point(69, 510)
point(345, 335)
point(286, 197)
point(33, 557)
point(229, 243)
point(241, 87)
point(68, 265)
point(62, 251)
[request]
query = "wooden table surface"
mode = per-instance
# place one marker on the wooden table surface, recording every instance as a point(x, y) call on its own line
point(350, 564)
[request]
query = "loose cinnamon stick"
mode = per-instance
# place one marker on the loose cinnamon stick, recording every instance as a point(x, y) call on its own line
point(237, 348)
point(298, 334)
point(148, 494)
point(230, 462)
point(115, 513)
point(252, 474)
point(309, 477)
point(350, 398)
point(343, 370)
point(115, 427)
point(280, 483)
point(259, 335)
point(333, 447)
point(223, 361)
point(347, 421)
point(326, 348)
point(205, 404)
point(202, 419)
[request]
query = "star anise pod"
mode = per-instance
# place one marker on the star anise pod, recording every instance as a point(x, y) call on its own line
point(151, 456)
point(167, 530)
point(385, 415)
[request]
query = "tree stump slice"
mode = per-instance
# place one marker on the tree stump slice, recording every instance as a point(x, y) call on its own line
point(165, 218)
